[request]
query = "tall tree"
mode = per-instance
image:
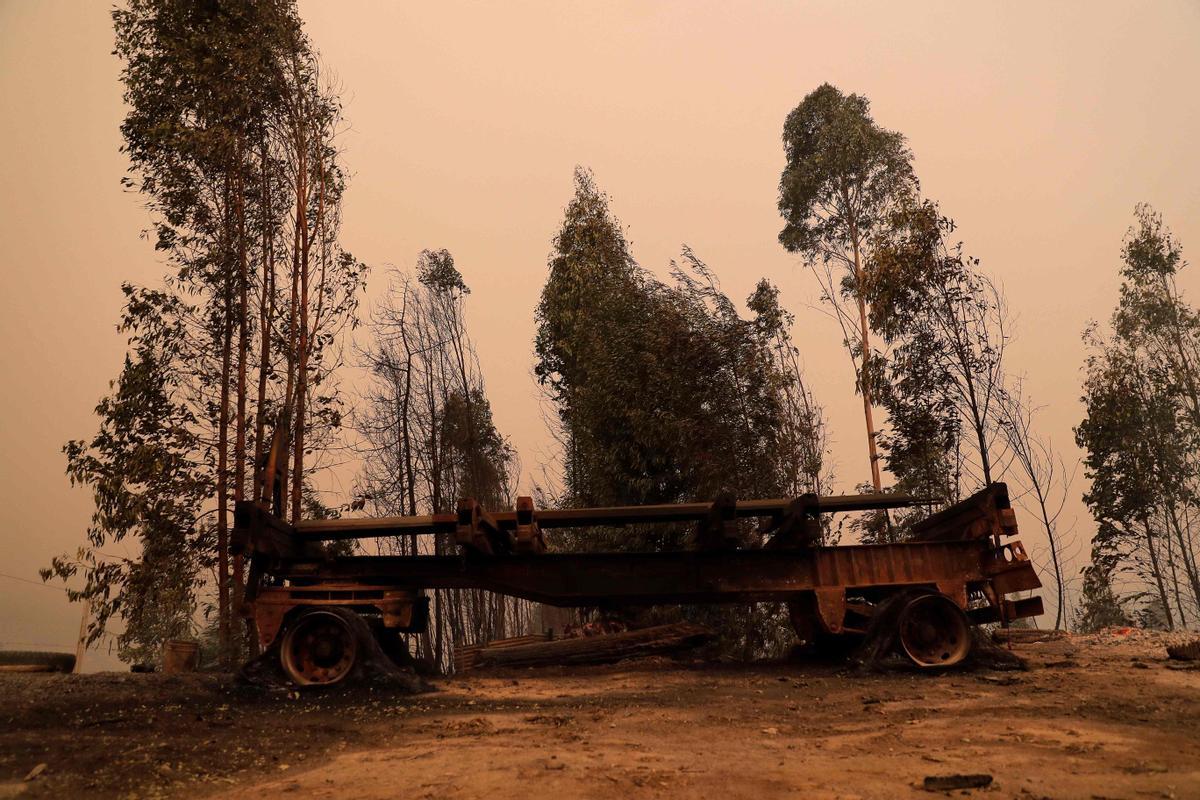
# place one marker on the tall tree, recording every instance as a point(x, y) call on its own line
point(664, 392)
point(1140, 431)
point(216, 94)
point(844, 174)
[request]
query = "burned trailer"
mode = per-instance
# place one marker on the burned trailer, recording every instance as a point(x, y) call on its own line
point(957, 569)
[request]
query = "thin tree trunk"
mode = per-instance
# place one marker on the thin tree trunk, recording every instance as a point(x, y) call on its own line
point(265, 315)
point(223, 481)
point(287, 417)
point(1175, 584)
point(1060, 594)
point(1189, 567)
point(1158, 576)
point(243, 324)
point(864, 379)
point(302, 356)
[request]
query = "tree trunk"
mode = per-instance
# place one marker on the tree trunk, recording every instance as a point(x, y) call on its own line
point(1189, 566)
point(265, 313)
point(302, 355)
point(299, 315)
point(603, 649)
point(223, 608)
point(864, 379)
point(1158, 576)
point(243, 325)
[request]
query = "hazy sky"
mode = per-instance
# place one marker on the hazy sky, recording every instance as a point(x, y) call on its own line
point(1037, 126)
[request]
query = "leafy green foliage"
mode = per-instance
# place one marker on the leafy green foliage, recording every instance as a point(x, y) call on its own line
point(664, 392)
point(229, 134)
point(1100, 607)
point(147, 484)
point(843, 174)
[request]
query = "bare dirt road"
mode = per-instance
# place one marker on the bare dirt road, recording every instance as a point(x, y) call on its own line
point(1099, 717)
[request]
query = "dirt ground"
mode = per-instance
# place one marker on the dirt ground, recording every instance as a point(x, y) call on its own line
point(1097, 717)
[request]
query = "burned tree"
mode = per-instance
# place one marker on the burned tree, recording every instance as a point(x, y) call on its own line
point(429, 439)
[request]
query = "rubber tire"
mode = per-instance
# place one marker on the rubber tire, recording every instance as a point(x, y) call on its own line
point(354, 625)
point(962, 648)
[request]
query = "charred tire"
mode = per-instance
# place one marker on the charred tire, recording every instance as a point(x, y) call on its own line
point(322, 646)
point(932, 631)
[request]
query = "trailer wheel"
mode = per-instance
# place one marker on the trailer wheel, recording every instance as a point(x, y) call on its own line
point(321, 646)
point(933, 631)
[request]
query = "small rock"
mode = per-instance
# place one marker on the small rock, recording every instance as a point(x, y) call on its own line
point(946, 783)
point(999, 680)
point(36, 771)
point(771, 731)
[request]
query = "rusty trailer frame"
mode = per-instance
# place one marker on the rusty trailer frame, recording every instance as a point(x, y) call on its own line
point(959, 567)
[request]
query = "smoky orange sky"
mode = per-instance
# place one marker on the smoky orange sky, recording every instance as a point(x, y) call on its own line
point(1037, 126)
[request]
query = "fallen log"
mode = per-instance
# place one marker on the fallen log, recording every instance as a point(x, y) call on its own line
point(1026, 635)
point(1189, 651)
point(596, 649)
point(465, 656)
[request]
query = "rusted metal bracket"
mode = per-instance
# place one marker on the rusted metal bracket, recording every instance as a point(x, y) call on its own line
point(986, 513)
point(256, 530)
point(478, 532)
point(529, 536)
point(831, 607)
point(1009, 568)
point(799, 525)
point(719, 529)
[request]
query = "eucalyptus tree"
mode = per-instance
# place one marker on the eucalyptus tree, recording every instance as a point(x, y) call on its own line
point(844, 174)
point(665, 392)
point(199, 82)
point(215, 95)
point(1122, 464)
point(945, 322)
point(1140, 430)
